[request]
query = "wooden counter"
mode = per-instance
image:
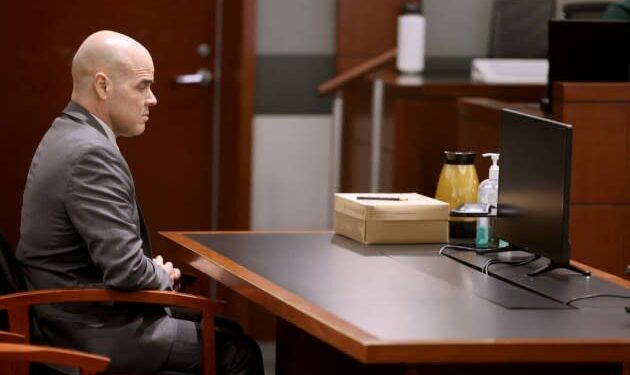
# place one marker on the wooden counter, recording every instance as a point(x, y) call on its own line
point(419, 124)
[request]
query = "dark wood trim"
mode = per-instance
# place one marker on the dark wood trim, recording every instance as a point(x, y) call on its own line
point(357, 72)
point(237, 111)
point(591, 91)
point(603, 274)
point(498, 351)
point(299, 353)
point(364, 29)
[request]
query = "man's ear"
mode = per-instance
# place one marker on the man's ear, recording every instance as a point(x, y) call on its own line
point(102, 85)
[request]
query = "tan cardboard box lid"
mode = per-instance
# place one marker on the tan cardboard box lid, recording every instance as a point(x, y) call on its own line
point(405, 206)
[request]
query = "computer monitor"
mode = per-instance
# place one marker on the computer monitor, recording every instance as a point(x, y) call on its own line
point(587, 51)
point(534, 187)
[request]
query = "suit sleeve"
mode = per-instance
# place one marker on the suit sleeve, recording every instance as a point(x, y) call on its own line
point(101, 206)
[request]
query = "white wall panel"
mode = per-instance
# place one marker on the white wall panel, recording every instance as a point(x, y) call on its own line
point(291, 184)
point(296, 26)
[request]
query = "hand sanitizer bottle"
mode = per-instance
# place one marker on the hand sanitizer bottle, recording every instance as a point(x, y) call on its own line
point(488, 194)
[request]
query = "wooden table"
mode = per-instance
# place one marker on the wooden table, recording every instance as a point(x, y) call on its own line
point(404, 309)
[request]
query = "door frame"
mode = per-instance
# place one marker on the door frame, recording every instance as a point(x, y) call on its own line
point(232, 185)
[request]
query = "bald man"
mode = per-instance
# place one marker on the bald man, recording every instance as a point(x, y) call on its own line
point(82, 227)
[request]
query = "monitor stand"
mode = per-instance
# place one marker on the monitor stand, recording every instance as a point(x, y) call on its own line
point(546, 268)
point(552, 266)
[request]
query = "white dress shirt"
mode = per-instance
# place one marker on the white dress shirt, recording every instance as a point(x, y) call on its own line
point(108, 131)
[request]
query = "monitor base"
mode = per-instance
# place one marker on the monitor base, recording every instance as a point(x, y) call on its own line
point(552, 266)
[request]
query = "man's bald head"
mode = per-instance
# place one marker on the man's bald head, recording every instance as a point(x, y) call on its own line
point(104, 51)
point(112, 74)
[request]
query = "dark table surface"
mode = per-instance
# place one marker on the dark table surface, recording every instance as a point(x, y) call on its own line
point(397, 294)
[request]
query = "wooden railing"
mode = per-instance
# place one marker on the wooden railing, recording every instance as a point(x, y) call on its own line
point(357, 72)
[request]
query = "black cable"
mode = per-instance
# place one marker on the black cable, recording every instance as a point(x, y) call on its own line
point(509, 262)
point(596, 295)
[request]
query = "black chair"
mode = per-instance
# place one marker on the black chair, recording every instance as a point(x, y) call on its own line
point(519, 28)
point(16, 302)
point(11, 280)
point(587, 10)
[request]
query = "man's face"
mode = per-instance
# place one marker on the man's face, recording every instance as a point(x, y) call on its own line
point(131, 97)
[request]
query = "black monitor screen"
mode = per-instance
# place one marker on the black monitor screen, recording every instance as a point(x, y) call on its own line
point(588, 51)
point(534, 185)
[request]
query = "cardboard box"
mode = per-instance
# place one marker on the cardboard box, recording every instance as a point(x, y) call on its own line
point(394, 218)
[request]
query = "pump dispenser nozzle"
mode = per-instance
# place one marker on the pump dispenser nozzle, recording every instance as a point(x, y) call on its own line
point(493, 173)
point(488, 194)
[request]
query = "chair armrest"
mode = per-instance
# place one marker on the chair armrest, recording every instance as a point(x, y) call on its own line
point(46, 296)
point(17, 306)
point(88, 363)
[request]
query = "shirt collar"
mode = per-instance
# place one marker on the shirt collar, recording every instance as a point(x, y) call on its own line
point(108, 131)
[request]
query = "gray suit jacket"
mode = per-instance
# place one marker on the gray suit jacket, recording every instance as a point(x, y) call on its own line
point(81, 227)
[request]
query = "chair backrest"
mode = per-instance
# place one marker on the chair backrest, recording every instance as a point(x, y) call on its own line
point(11, 278)
point(519, 28)
point(585, 10)
point(11, 337)
point(12, 368)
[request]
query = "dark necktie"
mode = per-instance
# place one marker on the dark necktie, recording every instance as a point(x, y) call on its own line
point(144, 234)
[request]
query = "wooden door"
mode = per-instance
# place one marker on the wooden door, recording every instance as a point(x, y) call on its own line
point(172, 161)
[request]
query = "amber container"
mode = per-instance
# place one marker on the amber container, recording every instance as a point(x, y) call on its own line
point(458, 184)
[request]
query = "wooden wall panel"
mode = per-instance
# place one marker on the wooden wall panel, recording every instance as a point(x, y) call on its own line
point(479, 125)
point(424, 130)
point(625, 214)
point(599, 172)
point(357, 137)
point(597, 236)
point(37, 83)
point(478, 129)
point(626, 183)
point(365, 28)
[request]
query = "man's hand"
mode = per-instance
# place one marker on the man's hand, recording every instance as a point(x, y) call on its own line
point(173, 273)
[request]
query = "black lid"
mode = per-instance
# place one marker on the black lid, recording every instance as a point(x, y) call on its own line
point(459, 157)
point(411, 7)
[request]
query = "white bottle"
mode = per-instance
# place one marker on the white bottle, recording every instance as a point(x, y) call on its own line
point(411, 31)
point(488, 194)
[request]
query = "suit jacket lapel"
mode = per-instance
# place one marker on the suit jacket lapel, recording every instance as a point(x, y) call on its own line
point(79, 114)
